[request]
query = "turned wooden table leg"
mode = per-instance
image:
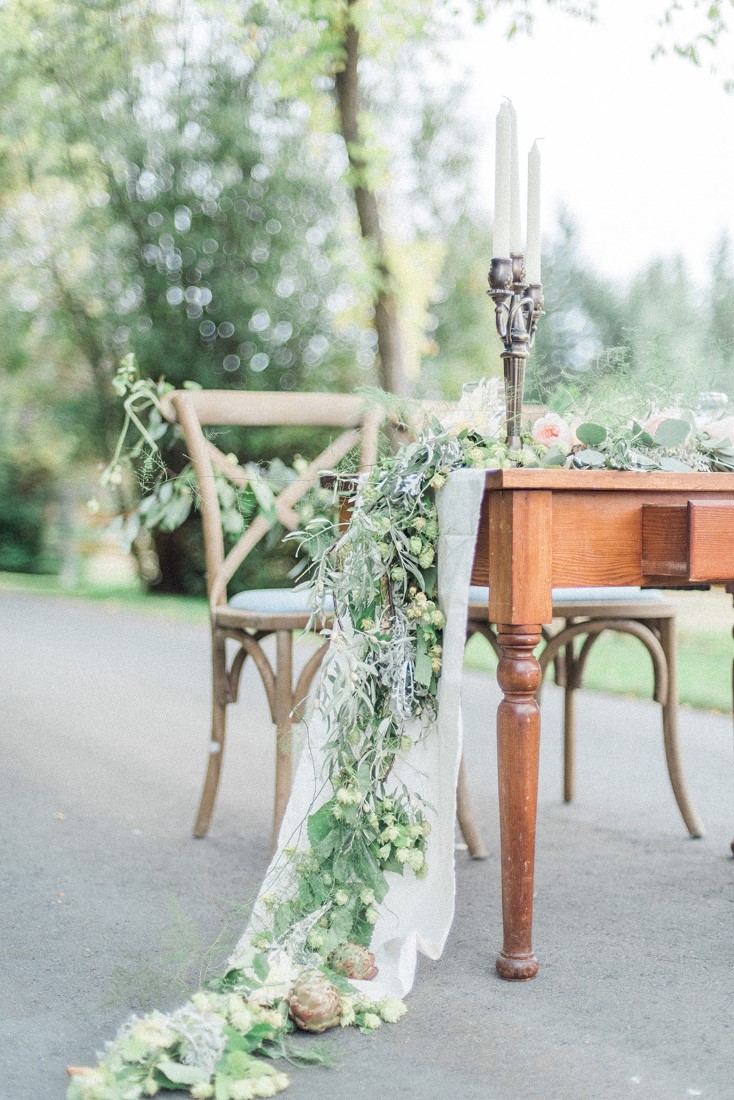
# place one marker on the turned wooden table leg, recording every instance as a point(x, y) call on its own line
point(730, 590)
point(518, 744)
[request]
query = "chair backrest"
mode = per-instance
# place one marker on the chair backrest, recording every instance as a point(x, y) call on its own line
point(194, 410)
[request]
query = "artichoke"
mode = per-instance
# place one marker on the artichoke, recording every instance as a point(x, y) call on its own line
point(315, 1004)
point(351, 960)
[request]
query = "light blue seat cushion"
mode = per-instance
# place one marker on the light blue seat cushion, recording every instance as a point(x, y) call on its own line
point(275, 601)
point(478, 594)
point(287, 601)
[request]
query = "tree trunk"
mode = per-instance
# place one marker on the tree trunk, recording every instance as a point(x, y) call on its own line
point(387, 325)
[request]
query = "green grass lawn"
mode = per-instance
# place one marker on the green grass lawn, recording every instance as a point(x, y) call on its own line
point(618, 663)
point(184, 608)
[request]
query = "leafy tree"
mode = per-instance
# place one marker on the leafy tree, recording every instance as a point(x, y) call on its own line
point(165, 201)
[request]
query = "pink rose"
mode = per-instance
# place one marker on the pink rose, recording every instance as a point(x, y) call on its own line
point(550, 429)
point(719, 430)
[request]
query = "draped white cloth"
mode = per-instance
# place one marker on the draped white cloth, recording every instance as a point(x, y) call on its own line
point(416, 914)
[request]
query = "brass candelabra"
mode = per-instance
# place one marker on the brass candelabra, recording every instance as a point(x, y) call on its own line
point(518, 308)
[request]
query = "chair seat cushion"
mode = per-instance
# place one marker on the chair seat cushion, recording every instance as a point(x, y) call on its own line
point(275, 601)
point(289, 601)
point(478, 594)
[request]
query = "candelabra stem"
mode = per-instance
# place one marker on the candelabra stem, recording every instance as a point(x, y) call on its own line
point(518, 308)
point(513, 361)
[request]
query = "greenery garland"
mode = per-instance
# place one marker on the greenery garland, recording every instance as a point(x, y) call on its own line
point(313, 933)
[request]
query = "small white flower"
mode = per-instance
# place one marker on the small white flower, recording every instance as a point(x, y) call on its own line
point(372, 916)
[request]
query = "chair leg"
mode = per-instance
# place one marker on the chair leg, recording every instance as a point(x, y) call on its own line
point(670, 733)
point(465, 815)
point(569, 681)
point(730, 590)
point(283, 725)
point(569, 743)
point(216, 744)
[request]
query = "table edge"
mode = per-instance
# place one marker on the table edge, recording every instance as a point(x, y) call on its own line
point(623, 480)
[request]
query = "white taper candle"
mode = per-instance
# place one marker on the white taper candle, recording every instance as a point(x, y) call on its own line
point(532, 248)
point(515, 214)
point(502, 153)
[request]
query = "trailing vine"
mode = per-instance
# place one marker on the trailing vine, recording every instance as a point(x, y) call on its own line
point(312, 925)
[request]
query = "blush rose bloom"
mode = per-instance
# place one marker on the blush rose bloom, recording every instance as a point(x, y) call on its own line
point(719, 430)
point(552, 428)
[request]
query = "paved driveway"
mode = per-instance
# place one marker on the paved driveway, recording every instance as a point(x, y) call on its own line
point(109, 905)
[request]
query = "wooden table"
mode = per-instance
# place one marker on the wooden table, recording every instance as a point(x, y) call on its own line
point(542, 529)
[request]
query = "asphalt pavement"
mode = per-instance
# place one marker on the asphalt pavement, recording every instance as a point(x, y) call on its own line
point(107, 905)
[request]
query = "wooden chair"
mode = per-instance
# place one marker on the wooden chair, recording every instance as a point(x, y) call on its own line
point(247, 618)
point(585, 613)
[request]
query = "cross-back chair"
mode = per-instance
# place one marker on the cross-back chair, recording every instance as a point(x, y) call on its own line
point(249, 617)
point(580, 617)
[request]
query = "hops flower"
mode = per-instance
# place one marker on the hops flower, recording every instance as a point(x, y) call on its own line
point(371, 1020)
point(202, 1091)
point(415, 859)
point(391, 1009)
point(341, 897)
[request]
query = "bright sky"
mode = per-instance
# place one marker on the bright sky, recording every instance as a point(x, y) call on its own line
point(641, 152)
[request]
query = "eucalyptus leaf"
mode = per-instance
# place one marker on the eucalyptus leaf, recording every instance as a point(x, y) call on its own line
point(553, 458)
point(589, 459)
point(591, 434)
point(641, 461)
point(675, 465)
point(640, 435)
point(672, 432)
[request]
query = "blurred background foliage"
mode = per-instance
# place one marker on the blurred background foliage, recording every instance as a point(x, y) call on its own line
point(174, 181)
